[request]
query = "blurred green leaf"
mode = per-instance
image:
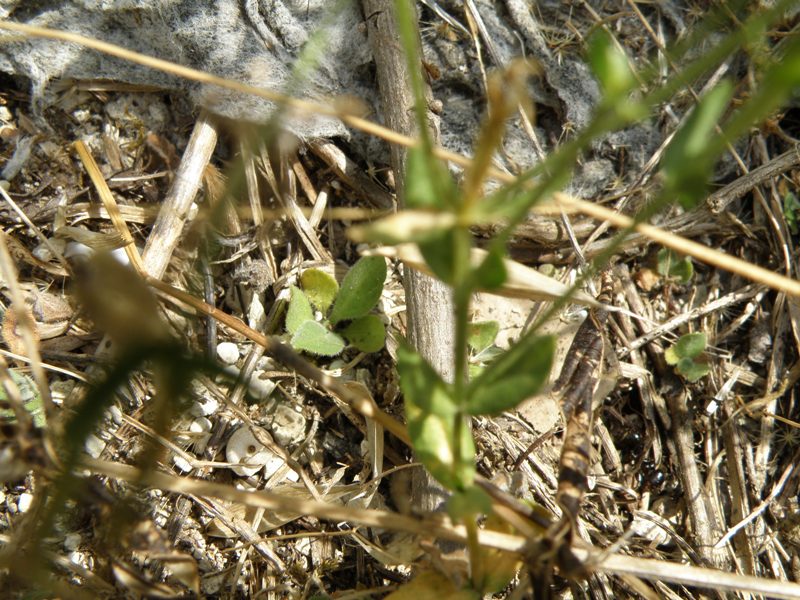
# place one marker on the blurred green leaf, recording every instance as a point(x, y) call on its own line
point(313, 337)
point(468, 503)
point(361, 289)
point(482, 334)
point(28, 394)
point(692, 370)
point(404, 226)
point(299, 310)
point(320, 289)
point(366, 333)
point(689, 159)
point(791, 206)
point(690, 346)
point(513, 377)
point(431, 413)
point(428, 181)
point(439, 255)
point(491, 273)
point(610, 66)
point(670, 264)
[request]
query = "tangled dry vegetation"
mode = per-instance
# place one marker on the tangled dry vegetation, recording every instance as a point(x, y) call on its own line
point(689, 473)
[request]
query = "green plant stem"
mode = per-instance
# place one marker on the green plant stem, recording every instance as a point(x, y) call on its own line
point(476, 561)
point(462, 293)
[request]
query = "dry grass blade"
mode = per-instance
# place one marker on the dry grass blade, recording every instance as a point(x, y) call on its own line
point(107, 198)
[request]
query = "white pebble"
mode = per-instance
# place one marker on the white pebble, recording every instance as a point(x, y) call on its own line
point(72, 541)
point(181, 463)
point(243, 447)
point(228, 352)
point(116, 414)
point(24, 502)
point(261, 389)
point(204, 407)
point(94, 446)
point(200, 425)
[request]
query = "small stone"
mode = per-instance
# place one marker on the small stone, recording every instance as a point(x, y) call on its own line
point(200, 425)
point(181, 463)
point(116, 414)
point(288, 425)
point(72, 541)
point(260, 387)
point(24, 501)
point(228, 352)
point(94, 446)
point(204, 407)
point(244, 447)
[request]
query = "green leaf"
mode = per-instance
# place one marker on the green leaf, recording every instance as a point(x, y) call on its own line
point(690, 345)
point(439, 256)
point(366, 333)
point(790, 211)
point(467, 503)
point(428, 181)
point(692, 370)
point(689, 158)
point(610, 66)
point(670, 264)
point(320, 289)
point(299, 310)
point(482, 334)
point(28, 394)
point(422, 386)
point(431, 414)
point(361, 289)
point(516, 375)
point(313, 337)
point(491, 273)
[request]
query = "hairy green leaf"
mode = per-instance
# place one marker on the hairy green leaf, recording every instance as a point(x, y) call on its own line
point(299, 310)
point(313, 337)
point(690, 346)
point(482, 334)
point(366, 333)
point(361, 289)
point(514, 376)
point(320, 289)
point(692, 370)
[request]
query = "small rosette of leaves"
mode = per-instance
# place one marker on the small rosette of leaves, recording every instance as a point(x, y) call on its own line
point(344, 310)
point(687, 355)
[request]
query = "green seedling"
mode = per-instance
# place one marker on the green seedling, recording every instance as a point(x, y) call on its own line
point(344, 310)
point(674, 266)
point(483, 350)
point(790, 211)
point(687, 355)
point(28, 394)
